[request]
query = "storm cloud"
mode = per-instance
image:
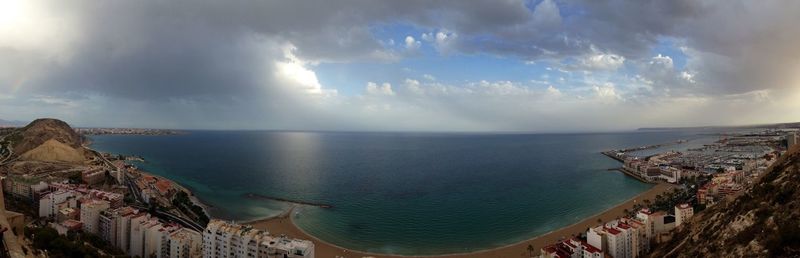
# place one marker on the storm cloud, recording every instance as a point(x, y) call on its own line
point(251, 64)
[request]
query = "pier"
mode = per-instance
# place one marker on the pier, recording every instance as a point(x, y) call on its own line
point(634, 175)
point(264, 197)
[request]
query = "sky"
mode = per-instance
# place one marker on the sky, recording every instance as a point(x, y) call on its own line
point(411, 65)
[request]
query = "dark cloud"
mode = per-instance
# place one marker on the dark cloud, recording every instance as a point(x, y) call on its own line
point(233, 59)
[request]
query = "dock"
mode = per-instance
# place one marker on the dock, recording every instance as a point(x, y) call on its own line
point(613, 154)
point(634, 175)
point(271, 198)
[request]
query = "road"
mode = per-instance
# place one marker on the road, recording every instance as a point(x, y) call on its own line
point(172, 217)
point(139, 200)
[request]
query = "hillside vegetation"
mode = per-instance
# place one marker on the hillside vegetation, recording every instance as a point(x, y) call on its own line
point(764, 221)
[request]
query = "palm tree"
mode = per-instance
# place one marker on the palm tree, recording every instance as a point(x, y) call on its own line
point(530, 250)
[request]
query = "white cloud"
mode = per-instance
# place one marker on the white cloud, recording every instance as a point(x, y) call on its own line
point(662, 61)
point(412, 44)
point(606, 92)
point(689, 77)
point(414, 86)
point(443, 40)
point(293, 71)
point(553, 91)
point(383, 89)
point(601, 61)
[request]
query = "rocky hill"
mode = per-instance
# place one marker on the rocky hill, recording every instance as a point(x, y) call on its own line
point(764, 221)
point(41, 130)
point(47, 140)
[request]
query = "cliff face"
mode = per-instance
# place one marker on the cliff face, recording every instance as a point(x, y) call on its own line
point(764, 221)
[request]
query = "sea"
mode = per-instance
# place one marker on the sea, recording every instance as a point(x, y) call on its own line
point(401, 193)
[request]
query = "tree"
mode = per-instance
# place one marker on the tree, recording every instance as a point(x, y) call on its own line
point(530, 250)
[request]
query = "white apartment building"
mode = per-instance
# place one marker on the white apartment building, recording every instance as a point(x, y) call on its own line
point(90, 215)
point(115, 226)
point(683, 212)
point(51, 203)
point(624, 238)
point(185, 243)
point(228, 240)
point(136, 246)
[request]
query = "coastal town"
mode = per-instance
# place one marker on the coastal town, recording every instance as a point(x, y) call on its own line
point(97, 204)
point(57, 189)
point(699, 178)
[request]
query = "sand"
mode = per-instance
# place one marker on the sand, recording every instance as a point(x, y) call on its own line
point(54, 151)
point(283, 225)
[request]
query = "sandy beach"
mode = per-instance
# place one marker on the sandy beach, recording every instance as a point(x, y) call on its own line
point(283, 225)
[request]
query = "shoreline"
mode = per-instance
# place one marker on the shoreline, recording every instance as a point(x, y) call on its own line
point(279, 225)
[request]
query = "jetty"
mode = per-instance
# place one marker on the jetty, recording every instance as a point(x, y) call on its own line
point(620, 155)
point(279, 199)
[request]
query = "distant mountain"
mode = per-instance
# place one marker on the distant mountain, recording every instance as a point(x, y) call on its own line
point(8, 123)
point(766, 126)
point(764, 221)
point(48, 140)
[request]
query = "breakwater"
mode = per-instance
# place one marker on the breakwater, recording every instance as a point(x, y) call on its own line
point(271, 198)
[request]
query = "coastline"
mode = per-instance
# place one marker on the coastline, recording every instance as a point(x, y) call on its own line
point(284, 225)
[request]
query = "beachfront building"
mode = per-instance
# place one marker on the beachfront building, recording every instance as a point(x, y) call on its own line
point(640, 245)
point(683, 212)
point(153, 236)
point(624, 237)
point(139, 234)
point(228, 240)
point(185, 243)
point(649, 219)
point(571, 248)
point(90, 214)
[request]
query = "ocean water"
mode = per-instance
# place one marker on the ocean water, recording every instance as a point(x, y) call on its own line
point(400, 193)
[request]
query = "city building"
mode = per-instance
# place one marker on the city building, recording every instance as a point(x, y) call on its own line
point(114, 226)
point(136, 246)
point(791, 139)
point(51, 203)
point(683, 212)
point(185, 243)
point(116, 200)
point(228, 240)
point(571, 248)
point(24, 187)
point(93, 176)
point(90, 215)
